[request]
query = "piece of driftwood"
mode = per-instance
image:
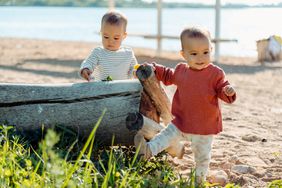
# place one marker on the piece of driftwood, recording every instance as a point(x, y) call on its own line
point(148, 128)
point(156, 93)
point(147, 107)
point(76, 106)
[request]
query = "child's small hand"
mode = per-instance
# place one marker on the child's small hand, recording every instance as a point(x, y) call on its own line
point(229, 90)
point(85, 73)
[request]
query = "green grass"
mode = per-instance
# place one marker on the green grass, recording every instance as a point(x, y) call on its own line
point(275, 184)
point(56, 163)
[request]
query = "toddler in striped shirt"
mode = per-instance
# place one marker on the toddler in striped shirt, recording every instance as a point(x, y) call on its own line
point(111, 60)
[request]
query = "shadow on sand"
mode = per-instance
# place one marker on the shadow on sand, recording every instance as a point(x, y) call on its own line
point(252, 68)
point(228, 68)
point(49, 62)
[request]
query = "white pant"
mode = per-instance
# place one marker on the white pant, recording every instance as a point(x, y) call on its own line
point(201, 146)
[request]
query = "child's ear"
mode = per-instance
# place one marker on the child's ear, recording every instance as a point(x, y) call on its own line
point(124, 35)
point(181, 52)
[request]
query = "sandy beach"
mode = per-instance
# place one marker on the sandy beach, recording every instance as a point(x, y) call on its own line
point(248, 151)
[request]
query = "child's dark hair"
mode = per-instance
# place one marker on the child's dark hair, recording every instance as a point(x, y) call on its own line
point(194, 32)
point(114, 18)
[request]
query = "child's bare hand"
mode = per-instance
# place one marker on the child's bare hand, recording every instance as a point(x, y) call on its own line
point(85, 73)
point(229, 90)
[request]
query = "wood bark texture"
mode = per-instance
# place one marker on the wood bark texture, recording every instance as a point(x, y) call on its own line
point(156, 93)
point(75, 106)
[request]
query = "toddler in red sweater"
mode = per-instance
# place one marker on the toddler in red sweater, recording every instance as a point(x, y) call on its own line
point(195, 106)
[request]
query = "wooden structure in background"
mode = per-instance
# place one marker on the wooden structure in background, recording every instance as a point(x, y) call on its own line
point(160, 36)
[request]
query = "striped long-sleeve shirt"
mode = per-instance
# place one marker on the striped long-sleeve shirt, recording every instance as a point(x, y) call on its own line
point(117, 64)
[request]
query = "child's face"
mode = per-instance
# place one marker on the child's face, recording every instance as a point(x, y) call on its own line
point(197, 52)
point(112, 36)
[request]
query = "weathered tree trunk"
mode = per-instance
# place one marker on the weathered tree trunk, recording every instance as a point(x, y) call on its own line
point(75, 106)
point(156, 93)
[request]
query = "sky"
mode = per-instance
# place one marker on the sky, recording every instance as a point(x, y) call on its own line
point(248, 2)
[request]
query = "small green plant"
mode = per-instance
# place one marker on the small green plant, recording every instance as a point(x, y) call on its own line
point(109, 78)
point(275, 184)
point(276, 154)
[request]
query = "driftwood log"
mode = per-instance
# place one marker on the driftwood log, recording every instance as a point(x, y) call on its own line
point(148, 108)
point(156, 93)
point(145, 122)
point(75, 106)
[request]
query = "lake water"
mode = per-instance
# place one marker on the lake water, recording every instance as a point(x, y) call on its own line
point(82, 24)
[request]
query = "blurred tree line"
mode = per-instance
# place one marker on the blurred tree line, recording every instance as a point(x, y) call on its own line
point(97, 3)
point(124, 3)
point(77, 3)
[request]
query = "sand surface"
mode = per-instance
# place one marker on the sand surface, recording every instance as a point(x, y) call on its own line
point(249, 150)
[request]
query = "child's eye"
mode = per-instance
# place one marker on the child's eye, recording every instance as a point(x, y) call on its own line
point(106, 37)
point(116, 38)
point(207, 52)
point(193, 54)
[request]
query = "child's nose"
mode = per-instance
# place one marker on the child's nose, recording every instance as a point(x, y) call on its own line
point(202, 57)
